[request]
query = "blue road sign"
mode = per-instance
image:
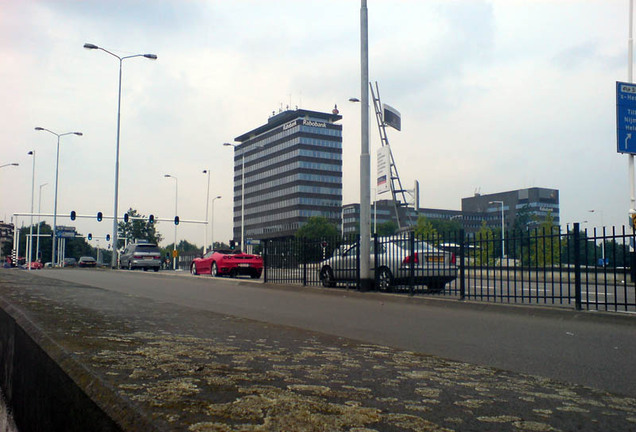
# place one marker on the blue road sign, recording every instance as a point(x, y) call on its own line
point(626, 117)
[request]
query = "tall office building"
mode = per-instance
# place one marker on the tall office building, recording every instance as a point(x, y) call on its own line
point(292, 171)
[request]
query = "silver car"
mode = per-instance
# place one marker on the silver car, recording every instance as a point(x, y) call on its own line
point(141, 255)
point(431, 267)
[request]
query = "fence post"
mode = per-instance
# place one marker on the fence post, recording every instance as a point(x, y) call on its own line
point(305, 253)
point(265, 260)
point(412, 262)
point(577, 267)
point(358, 263)
point(462, 266)
point(375, 261)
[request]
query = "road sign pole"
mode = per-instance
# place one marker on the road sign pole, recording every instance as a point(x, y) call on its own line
point(630, 64)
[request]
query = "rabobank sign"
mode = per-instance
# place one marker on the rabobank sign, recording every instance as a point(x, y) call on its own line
point(314, 123)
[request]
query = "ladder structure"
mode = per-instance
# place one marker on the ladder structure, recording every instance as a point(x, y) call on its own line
point(398, 192)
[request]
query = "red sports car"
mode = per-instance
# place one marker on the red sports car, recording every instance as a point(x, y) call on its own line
point(229, 263)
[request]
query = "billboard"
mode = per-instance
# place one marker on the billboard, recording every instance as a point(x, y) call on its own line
point(383, 183)
point(392, 117)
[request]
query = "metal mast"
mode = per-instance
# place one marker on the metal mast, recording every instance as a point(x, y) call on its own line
point(398, 192)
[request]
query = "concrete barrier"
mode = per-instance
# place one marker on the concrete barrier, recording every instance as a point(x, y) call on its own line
point(46, 390)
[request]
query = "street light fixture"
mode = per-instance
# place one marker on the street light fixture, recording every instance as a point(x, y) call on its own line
point(212, 228)
point(113, 262)
point(502, 227)
point(30, 244)
point(602, 228)
point(207, 206)
point(242, 193)
point(37, 246)
point(57, 169)
point(176, 197)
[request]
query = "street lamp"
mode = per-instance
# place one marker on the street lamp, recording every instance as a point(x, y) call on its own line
point(242, 193)
point(212, 228)
point(176, 197)
point(30, 244)
point(57, 169)
point(502, 226)
point(37, 247)
point(113, 262)
point(207, 206)
point(365, 158)
point(602, 240)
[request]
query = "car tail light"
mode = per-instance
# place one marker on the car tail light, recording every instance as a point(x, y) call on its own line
point(407, 260)
point(135, 256)
point(453, 259)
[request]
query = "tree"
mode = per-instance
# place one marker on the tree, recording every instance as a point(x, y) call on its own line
point(137, 229)
point(316, 228)
point(484, 242)
point(545, 250)
point(387, 228)
point(424, 228)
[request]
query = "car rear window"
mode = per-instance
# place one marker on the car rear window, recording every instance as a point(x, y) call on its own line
point(147, 248)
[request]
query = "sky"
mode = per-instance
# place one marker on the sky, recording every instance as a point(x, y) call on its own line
point(495, 95)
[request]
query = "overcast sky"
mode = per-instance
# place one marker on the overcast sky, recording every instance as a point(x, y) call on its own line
point(495, 95)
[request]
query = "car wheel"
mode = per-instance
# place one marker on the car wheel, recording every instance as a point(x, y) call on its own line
point(145, 268)
point(156, 269)
point(255, 275)
point(193, 269)
point(326, 276)
point(130, 265)
point(384, 280)
point(214, 271)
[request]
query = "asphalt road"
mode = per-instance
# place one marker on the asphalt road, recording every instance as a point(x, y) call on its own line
point(589, 348)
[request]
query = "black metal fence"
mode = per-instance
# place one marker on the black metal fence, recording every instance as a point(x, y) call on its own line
point(582, 269)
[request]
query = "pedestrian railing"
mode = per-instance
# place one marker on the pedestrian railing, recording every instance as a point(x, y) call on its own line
point(581, 269)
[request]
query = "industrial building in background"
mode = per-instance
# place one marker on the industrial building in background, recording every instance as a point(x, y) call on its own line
point(523, 207)
point(285, 172)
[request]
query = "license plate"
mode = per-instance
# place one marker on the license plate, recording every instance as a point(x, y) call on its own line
point(243, 265)
point(435, 259)
point(147, 258)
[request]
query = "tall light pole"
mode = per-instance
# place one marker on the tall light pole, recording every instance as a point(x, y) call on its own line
point(113, 262)
point(37, 247)
point(603, 231)
point(207, 206)
point(242, 194)
point(365, 159)
point(57, 170)
point(212, 223)
point(502, 226)
point(30, 244)
point(176, 200)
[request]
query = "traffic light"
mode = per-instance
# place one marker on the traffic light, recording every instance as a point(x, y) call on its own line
point(176, 220)
point(126, 217)
point(151, 219)
point(232, 244)
point(90, 236)
point(107, 237)
point(73, 215)
point(99, 216)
